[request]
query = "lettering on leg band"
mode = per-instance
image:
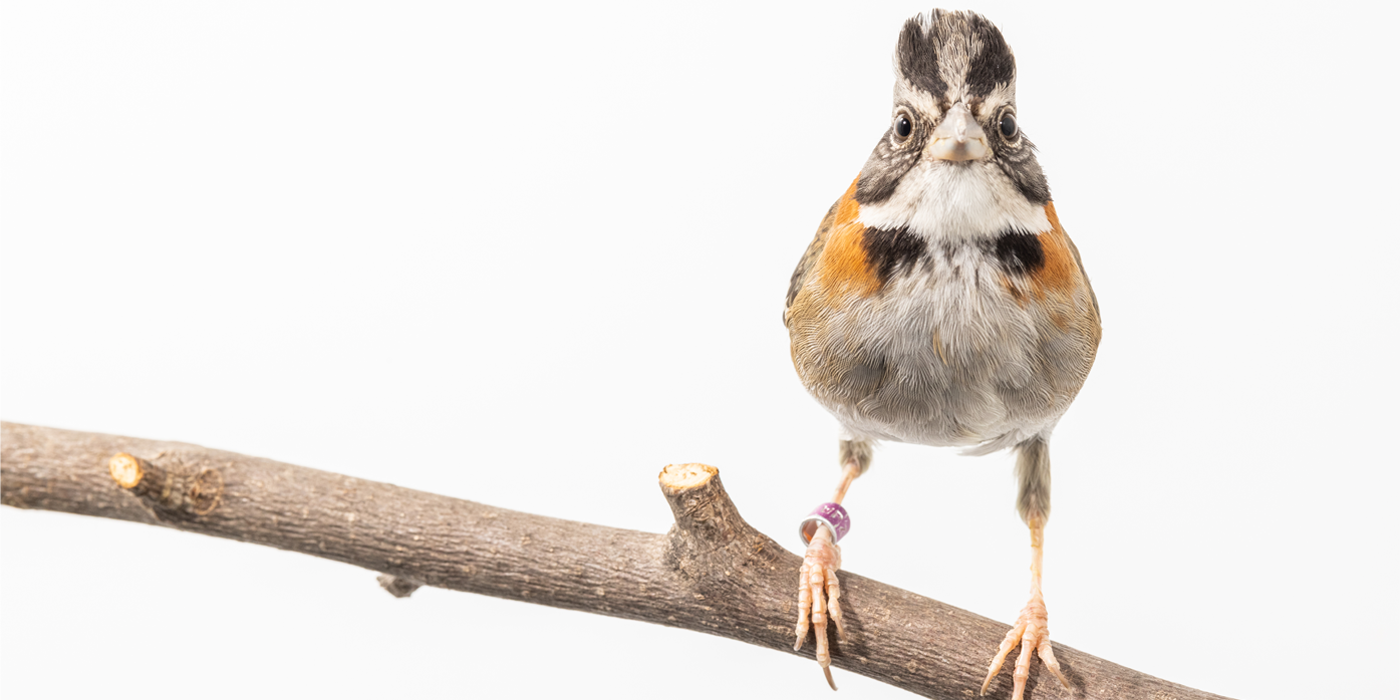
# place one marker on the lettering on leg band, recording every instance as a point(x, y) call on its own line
point(831, 515)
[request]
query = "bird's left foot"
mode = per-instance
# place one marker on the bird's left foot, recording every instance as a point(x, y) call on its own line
point(1032, 633)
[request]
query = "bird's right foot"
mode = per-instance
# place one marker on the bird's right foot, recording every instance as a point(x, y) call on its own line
point(819, 596)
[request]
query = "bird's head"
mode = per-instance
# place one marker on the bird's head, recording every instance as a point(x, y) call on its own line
point(954, 161)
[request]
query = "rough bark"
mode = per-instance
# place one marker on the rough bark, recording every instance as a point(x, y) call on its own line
point(711, 573)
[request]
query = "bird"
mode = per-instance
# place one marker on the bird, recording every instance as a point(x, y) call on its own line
point(942, 303)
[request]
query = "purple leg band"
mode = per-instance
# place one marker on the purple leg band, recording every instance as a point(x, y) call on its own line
point(831, 515)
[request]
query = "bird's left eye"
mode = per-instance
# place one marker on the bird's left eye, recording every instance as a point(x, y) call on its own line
point(1008, 125)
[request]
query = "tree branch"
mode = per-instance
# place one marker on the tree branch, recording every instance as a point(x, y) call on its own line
point(711, 573)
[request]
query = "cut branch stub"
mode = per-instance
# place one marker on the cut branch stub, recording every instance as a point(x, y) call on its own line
point(171, 493)
point(126, 469)
point(700, 504)
point(709, 536)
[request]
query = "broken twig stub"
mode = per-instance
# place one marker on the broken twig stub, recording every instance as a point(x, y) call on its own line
point(172, 493)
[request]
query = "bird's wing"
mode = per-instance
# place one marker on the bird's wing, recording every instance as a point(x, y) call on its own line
point(809, 259)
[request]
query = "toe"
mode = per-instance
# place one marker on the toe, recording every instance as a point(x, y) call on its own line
point(1023, 666)
point(1007, 644)
point(804, 608)
point(833, 602)
point(819, 622)
point(1047, 655)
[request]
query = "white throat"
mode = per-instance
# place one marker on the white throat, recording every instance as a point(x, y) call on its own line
point(946, 201)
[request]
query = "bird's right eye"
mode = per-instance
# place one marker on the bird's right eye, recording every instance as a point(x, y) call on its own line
point(903, 127)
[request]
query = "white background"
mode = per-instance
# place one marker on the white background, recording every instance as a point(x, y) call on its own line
point(528, 255)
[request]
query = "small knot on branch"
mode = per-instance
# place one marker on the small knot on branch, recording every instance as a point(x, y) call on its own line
point(399, 586)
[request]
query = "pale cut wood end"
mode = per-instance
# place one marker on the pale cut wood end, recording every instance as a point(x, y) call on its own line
point(126, 470)
point(683, 477)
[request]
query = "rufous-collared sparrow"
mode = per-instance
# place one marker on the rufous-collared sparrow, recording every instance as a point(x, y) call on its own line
point(941, 302)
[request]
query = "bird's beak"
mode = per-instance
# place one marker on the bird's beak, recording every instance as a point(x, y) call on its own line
point(958, 137)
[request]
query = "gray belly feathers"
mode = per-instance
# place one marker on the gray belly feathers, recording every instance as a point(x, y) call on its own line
point(944, 355)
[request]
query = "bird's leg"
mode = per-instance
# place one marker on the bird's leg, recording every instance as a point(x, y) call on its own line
point(819, 592)
point(1031, 631)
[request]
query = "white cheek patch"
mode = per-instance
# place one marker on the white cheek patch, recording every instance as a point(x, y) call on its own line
point(946, 201)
